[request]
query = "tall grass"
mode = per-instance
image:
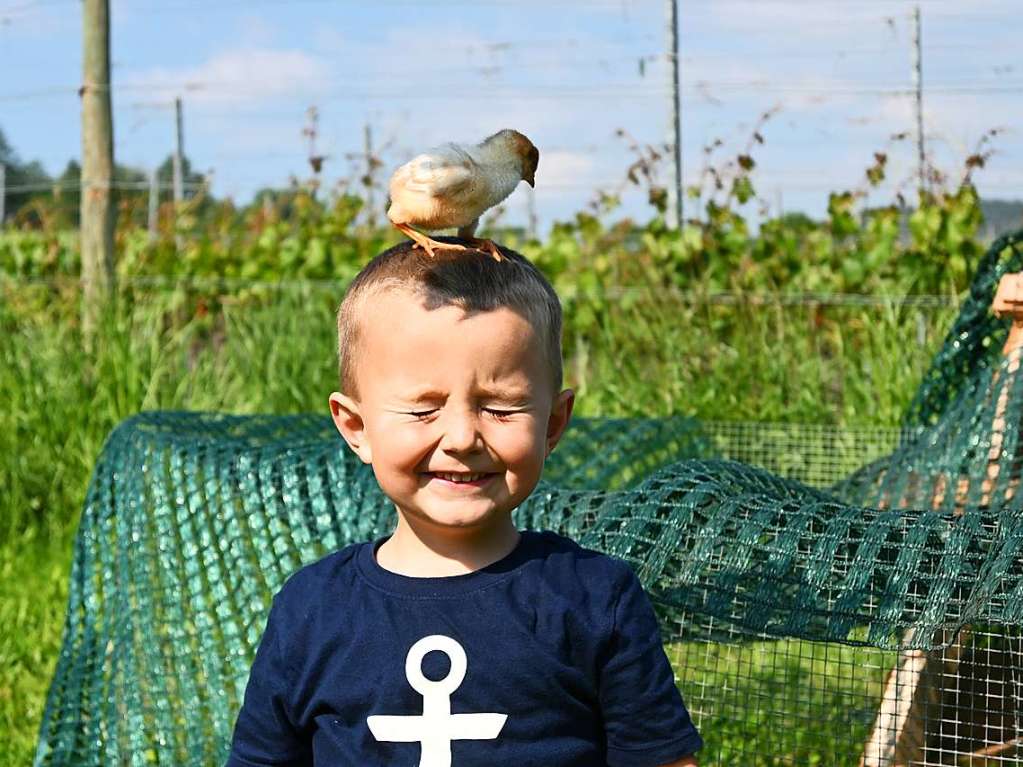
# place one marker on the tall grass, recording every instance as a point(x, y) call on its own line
point(847, 365)
point(33, 597)
point(153, 351)
point(273, 350)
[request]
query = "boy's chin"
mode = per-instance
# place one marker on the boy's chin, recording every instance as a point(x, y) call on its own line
point(457, 516)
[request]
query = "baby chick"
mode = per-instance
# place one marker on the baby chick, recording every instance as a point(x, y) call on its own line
point(452, 186)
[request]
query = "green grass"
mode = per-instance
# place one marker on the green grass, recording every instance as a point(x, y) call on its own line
point(803, 703)
point(798, 364)
point(273, 351)
point(33, 595)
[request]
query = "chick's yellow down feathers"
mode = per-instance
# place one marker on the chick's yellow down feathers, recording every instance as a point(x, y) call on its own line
point(451, 186)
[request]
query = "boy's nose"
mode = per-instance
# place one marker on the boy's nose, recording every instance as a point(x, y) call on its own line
point(461, 433)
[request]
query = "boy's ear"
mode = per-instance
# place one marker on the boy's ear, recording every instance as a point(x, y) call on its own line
point(561, 411)
point(345, 412)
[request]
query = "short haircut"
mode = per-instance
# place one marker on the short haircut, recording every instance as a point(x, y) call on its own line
point(469, 279)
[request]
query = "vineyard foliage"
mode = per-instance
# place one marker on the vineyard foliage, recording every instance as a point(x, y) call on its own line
point(861, 246)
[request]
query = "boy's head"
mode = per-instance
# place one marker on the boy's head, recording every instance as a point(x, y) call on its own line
point(451, 375)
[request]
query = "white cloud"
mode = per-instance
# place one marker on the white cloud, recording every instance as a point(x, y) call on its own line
point(560, 168)
point(238, 77)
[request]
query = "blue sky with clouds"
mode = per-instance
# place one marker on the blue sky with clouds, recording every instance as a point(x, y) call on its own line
point(565, 72)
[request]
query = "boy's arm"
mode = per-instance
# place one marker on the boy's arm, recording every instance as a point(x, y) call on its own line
point(645, 718)
point(264, 733)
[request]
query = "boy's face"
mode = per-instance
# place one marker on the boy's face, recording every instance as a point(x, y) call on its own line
point(444, 392)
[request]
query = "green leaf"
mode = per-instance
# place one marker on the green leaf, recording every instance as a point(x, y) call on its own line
point(742, 187)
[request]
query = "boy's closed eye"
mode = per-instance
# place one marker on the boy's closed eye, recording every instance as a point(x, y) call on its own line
point(497, 413)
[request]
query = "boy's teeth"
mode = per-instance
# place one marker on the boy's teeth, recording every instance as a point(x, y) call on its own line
point(459, 477)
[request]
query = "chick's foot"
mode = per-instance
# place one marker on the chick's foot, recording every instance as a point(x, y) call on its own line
point(488, 246)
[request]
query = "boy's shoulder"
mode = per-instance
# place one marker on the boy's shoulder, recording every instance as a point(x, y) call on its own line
point(563, 554)
point(315, 575)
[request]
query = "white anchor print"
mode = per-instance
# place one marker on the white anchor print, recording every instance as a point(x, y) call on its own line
point(437, 726)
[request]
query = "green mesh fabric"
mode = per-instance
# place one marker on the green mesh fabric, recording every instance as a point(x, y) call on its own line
point(875, 621)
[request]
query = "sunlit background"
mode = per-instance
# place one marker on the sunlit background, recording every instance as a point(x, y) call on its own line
point(568, 73)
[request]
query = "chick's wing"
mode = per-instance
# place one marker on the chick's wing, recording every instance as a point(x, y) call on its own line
point(441, 172)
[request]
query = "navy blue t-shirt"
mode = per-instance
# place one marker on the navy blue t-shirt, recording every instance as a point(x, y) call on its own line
point(548, 657)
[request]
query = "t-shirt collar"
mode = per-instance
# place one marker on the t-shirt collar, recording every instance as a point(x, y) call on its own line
point(447, 585)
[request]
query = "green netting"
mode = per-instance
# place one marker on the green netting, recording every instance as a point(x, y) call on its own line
point(873, 620)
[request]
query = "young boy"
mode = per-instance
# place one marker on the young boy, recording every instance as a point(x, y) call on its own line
point(459, 640)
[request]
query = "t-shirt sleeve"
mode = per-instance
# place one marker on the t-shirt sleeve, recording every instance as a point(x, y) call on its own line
point(645, 720)
point(264, 733)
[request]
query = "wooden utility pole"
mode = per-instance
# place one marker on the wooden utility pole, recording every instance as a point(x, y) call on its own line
point(179, 154)
point(311, 131)
point(97, 211)
point(675, 218)
point(154, 203)
point(918, 85)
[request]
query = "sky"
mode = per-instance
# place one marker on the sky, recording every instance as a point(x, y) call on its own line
point(570, 74)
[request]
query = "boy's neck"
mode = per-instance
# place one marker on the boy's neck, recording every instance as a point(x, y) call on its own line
point(426, 553)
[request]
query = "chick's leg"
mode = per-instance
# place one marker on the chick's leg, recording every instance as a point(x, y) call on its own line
point(467, 232)
point(424, 242)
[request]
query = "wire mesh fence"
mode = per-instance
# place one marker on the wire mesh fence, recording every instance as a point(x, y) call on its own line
point(816, 454)
point(766, 701)
point(802, 630)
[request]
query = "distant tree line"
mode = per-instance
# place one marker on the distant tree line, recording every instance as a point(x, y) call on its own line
point(35, 199)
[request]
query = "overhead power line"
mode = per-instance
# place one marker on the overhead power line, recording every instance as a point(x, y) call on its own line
point(604, 90)
point(78, 186)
